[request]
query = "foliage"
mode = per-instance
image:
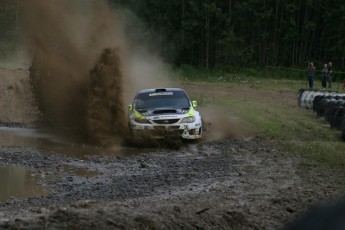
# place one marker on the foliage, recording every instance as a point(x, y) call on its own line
point(212, 34)
point(246, 32)
point(8, 28)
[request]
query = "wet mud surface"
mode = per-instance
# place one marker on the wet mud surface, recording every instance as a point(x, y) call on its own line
point(55, 182)
point(233, 184)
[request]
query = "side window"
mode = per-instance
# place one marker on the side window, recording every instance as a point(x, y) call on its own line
point(139, 103)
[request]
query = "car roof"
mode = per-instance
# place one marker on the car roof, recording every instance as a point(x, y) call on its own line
point(160, 90)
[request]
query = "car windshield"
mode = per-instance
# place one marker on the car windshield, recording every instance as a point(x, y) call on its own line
point(153, 100)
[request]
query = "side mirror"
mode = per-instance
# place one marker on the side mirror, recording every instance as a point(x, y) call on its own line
point(130, 107)
point(195, 104)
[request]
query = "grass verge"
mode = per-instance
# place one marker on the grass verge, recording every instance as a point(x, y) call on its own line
point(270, 110)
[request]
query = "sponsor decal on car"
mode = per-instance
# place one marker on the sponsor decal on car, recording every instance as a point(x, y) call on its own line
point(161, 94)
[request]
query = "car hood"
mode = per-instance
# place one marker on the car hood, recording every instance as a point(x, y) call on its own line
point(163, 111)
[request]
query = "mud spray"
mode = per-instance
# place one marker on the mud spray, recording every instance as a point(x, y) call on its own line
point(105, 113)
point(79, 68)
point(76, 70)
point(219, 123)
point(79, 71)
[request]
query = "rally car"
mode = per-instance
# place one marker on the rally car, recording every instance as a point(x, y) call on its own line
point(164, 111)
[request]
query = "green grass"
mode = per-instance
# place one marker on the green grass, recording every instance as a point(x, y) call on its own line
point(237, 74)
point(330, 153)
point(297, 130)
point(279, 121)
point(258, 77)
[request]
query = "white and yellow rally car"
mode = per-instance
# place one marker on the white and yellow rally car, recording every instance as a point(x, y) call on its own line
point(165, 110)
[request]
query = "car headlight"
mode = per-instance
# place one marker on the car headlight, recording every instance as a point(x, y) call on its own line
point(188, 119)
point(142, 121)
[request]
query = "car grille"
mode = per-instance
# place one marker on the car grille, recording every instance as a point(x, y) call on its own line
point(174, 127)
point(163, 130)
point(166, 121)
point(164, 111)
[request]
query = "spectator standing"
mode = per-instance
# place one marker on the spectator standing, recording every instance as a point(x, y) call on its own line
point(311, 75)
point(324, 76)
point(329, 74)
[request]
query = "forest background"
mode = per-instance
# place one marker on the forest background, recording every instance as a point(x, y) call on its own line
point(227, 35)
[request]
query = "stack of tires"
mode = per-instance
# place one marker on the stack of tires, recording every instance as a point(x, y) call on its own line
point(327, 104)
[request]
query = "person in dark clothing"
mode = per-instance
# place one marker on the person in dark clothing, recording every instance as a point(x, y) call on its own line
point(329, 75)
point(311, 75)
point(324, 76)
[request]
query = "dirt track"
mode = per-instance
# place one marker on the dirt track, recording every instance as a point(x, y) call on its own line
point(247, 183)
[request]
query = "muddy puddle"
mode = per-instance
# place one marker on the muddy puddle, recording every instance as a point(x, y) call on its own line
point(18, 182)
point(80, 171)
point(49, 142)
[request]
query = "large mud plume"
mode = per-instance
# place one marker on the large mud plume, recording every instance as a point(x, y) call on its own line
point(105, 111)
point(76, 71)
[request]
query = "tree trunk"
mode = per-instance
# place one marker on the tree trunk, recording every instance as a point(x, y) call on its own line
point(229, 12)
point(275, 42)
point(207, 37)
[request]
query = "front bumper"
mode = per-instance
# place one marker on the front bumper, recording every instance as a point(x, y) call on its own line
point(186, 131)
